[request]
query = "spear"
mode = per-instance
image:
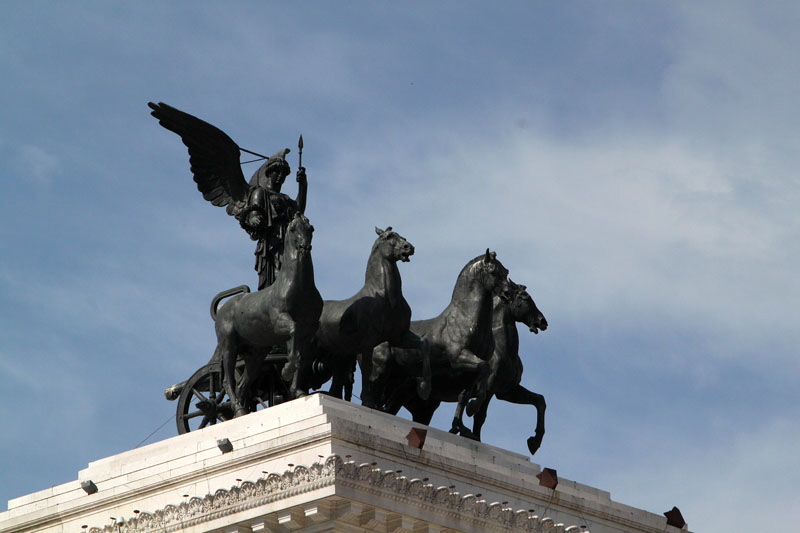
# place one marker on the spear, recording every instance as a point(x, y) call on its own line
point(301, 190)
point(300, 152)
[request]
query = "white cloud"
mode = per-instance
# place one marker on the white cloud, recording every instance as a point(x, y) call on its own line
point(651, 222)
point(37, 165)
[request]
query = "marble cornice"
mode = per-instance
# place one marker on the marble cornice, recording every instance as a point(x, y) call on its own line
point(334, 470)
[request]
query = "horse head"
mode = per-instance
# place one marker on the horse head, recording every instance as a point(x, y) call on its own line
point(524, 309)
point(298, 234)
point(393, 246)
point(494, 276)
point(484, 274)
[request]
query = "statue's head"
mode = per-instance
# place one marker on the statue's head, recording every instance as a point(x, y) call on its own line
point(273, 172)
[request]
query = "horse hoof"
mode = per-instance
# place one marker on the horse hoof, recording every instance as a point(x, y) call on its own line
point(240, 411)
point(424, 388)
point(469, 434)
point(533, 444)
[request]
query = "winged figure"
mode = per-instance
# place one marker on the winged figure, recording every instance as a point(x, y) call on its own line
point(259, 206)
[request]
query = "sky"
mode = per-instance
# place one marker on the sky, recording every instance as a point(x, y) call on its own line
point(633, 163)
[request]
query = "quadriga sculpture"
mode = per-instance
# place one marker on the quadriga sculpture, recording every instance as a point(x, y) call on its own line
point(350, 329)
point(286, 311)
point(460, 341)
point(505, 372)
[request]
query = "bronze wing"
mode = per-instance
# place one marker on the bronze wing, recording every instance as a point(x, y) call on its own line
point(213, 156)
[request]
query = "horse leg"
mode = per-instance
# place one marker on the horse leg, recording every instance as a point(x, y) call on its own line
point(251, 367)
point(480, 418)
point(337, 383)
point(468, 362)
point(296, 389)
point(349, 378)
point(424, 383)
point(365, 362)
point(458, 426)
point(298, 349)
point(284, 325)
point(380, 363)
point(521, 395)
point(229, 376)
point(412, 341)
point(343, 376)
point(422, 410)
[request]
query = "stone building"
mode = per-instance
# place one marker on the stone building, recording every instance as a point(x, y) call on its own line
point(320, 464)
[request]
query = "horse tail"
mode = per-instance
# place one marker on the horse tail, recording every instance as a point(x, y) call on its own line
point(241, 289)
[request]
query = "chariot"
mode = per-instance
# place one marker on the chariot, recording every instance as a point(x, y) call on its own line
point(202, 399)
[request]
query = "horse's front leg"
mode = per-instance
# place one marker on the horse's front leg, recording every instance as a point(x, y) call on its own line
point(468, 362)
point(229, 376)
point(300, 346)
point(458, 426)
point(381, 355)
point(337, 383)
point(251, 367)
point(521, 395)
point(365, 362)
point(286, 327)
point(480, 418)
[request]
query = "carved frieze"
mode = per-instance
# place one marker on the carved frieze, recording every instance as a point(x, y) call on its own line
point(302, 479)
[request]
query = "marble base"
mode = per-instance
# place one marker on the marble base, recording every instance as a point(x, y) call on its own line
point(320, 464)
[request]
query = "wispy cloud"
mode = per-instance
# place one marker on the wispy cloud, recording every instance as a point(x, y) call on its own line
point(36, 165)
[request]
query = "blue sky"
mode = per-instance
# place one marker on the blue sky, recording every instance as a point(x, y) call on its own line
point(633, 163)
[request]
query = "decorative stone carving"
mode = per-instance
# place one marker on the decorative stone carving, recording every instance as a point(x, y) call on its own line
point(301, 479)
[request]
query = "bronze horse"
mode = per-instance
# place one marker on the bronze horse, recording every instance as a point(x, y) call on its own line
point(248, 325)
point(505, 370)
point(460, 341)
point(350, 329)
point(506, 365)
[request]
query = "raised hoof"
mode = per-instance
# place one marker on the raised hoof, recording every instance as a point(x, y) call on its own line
point(423, 388)
point(533, 444)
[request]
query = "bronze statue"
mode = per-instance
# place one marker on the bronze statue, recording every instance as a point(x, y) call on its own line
point(288, 310)
point(505, 372)
point(460, 341)
point(277, 343)
point(350, 329)
point(259, 206)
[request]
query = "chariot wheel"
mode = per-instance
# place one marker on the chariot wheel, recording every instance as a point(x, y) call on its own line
point(203, 400)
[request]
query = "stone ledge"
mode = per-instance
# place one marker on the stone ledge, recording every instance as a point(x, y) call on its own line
point(187, 469)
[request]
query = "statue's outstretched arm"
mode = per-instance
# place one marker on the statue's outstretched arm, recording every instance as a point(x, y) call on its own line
point(302, 189)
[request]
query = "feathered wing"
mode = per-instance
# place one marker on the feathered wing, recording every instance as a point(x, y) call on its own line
point(213, 156)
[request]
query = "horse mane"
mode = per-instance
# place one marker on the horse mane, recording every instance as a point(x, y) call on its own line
point(465, 276)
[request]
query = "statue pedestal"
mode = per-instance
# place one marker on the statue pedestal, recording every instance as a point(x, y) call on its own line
point(320, 464)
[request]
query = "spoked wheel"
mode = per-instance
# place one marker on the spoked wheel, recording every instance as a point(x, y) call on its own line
point(203, 400)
